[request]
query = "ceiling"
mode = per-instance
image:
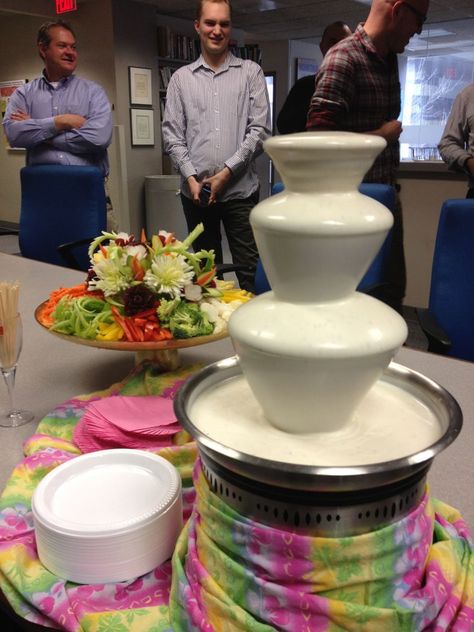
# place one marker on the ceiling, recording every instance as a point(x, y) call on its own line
point(267, 20)
point(306, 19)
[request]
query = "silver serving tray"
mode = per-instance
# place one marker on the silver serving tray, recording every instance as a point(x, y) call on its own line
point(317, 478)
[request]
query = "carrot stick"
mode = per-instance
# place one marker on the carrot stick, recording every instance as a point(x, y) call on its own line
point(44, 316)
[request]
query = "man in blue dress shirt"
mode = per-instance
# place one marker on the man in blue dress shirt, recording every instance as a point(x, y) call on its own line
point(60, 118)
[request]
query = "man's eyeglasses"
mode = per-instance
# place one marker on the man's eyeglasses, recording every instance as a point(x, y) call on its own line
point(421, 16)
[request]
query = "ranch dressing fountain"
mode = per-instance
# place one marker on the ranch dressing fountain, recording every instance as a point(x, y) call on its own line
point(311, 427)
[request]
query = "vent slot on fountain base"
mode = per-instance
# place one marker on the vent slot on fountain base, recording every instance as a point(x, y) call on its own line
point(318, 514)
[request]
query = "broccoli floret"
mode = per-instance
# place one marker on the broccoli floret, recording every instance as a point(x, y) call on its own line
point(165, 309)
point(188, 321)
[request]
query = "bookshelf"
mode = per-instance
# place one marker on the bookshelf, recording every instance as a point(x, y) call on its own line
point(178, 48)
point(248, 51)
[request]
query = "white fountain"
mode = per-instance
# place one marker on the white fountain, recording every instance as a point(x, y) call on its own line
point(311, 417)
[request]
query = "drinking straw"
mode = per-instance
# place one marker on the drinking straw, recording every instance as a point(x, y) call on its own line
point(8, 323)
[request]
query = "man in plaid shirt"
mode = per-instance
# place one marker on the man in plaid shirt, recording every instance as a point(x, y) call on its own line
point(357, 89)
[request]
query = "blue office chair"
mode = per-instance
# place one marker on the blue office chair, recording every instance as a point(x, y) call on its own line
point(375, 275)
point(63, 208)
point(448, 321)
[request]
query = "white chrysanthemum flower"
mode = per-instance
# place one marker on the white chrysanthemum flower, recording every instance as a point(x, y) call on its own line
point(168, 275)
point(193, 292)
point(113, 276)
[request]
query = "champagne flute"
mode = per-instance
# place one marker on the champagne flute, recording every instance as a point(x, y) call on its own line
point(11, 340)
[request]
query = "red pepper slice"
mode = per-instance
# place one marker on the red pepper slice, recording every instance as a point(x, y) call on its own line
point(126, 324)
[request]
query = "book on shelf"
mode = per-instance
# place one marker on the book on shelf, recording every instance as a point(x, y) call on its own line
point(162, 106)
point(175, 46)
point(249, 51)
point(165, 76)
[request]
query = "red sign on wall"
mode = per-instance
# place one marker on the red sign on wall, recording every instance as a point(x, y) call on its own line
point(62, 6)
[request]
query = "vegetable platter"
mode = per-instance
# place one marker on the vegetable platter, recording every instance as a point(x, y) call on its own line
point(142, 295)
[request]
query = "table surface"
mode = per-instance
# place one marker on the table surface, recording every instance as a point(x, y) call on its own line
point(52, 370)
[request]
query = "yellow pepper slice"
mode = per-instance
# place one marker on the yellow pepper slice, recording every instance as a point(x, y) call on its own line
point(235, 295)
point(110, 332)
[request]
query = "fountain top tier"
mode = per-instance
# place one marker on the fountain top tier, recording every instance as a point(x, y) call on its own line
point(327, 157)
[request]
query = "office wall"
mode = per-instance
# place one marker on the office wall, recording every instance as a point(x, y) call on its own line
point(422, 194)
point(275, 57)
point(19, 60)
point(302, 50)
point(135, 43)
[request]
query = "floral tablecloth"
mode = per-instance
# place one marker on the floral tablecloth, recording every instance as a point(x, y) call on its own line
point(34, 592)
point(231, 574)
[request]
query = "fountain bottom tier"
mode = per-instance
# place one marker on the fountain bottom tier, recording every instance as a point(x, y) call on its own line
point(375, 467)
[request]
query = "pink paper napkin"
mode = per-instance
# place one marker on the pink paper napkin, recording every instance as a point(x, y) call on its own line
point(130, 422)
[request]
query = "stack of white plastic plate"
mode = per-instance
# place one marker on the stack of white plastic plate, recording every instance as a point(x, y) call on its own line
point(107, 516)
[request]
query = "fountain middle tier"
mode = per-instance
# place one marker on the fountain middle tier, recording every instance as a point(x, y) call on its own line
point(322, 357)
point(318, 247)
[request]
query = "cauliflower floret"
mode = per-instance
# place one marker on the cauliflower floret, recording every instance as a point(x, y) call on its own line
point(219, 326)
point(218, 312)
point(210, 310)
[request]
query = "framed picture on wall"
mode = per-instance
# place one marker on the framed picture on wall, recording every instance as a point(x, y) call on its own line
point(305, 67)
point(140, 86)
point(142, 127)
point(7, 88)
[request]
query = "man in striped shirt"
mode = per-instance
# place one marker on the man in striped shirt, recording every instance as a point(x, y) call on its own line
point(358, 89)
point(216, 118)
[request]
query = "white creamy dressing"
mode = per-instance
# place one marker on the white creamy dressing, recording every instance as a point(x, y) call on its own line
point(390, 423)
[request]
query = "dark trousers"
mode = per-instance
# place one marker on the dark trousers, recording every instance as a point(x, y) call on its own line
point(470, 194)
point(234, 215)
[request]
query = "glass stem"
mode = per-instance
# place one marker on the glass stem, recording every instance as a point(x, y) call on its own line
point(9, 377)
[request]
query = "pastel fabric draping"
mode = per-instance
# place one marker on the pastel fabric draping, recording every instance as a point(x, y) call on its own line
point(232, 574)
point(139, 605)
